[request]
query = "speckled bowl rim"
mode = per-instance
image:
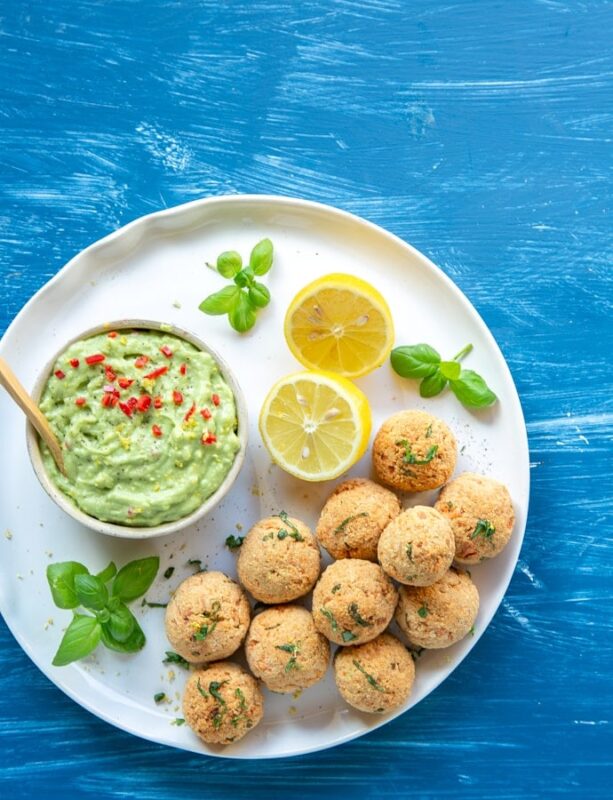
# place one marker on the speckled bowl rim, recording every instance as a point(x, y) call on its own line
point(125, 531)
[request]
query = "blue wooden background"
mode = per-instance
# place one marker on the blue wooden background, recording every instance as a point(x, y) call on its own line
point(481, 132)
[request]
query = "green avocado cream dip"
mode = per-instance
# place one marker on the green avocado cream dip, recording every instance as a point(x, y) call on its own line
point(148, 426)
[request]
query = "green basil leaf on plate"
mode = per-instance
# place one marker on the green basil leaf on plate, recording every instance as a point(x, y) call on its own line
point(450, 370)
point(261, 257)
point(229, 263)
point(244, 278)
point(121, 623)
point(259, 295)
point(220, 302)
point(61, 577)
point(107, 573)
point(472, 391)
point(135, 641)
point(81, 637)
point(135, 578)
point(432, 385)
point(415, 361)
point(242, 316)
point(91, 591)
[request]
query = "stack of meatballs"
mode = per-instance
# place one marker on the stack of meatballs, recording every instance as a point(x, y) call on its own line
point(389, 564)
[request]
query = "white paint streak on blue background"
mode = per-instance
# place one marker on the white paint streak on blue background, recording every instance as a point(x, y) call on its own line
point(480, 133)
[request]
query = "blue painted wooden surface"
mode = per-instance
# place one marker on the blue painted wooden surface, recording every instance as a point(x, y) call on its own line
point(481, 133)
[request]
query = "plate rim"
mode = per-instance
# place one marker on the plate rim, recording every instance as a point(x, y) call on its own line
point(145, 221)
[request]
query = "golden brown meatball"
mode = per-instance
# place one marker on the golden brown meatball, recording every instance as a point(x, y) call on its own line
point(418, 547)
point(285, 650)
point(375, 677)
point(279, 560)
point(207, 618)
point(481, 514)
point(414, 451)
point(441, 614)
point(353, 518)
point(353, 601)
point(222, 703)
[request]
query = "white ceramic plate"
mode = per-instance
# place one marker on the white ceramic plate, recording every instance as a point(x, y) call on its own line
point(155, 268)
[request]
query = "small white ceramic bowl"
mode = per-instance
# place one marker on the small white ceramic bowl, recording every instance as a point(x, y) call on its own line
point(129, 532)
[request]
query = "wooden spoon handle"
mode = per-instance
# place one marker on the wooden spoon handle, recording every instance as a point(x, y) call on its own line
point(11, 383)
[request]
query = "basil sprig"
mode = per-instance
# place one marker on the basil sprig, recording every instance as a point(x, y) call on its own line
point(111, 622)
point(243, 298)
point(423, 362)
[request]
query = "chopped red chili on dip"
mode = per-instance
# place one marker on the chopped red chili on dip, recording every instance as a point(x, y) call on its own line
point(126, 409)
point(157, 373)
point(143, 403)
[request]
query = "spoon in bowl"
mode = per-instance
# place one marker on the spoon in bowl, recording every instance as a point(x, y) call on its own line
point(11, 383)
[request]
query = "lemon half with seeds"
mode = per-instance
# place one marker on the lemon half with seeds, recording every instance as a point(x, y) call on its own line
point(339, 323)
point(315, 425)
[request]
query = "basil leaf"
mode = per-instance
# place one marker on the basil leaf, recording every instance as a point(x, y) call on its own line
point(220, 302)
point(432, 385)
point(81, 637)
point(242, 316)
point(91, 592)
point(244, 277)
point(450, 370)
point(415, 361)
point(61, 577)
point(121, 623)
point(259, 295)
point(135, 578)
point(260, 260)
point(107, 573)
point(135, 641)
point(472, 391)
point(229, 263)
point(113, 604)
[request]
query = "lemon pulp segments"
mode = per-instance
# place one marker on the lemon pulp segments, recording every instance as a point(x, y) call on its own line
point(340, 323)
point(315, 425)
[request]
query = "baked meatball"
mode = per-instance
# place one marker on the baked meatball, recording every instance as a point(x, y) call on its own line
point(376, 676)
point(414, 451)
point(441, 614)
point(279, 560)
point(285, 650)
point(222, 702)
point(353, 601)
point(481, 514)
point(417, 547)
point(207, 618)
point(353, 518)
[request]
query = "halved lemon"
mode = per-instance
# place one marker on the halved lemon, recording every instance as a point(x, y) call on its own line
point(315, 425)
point(340, 323)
